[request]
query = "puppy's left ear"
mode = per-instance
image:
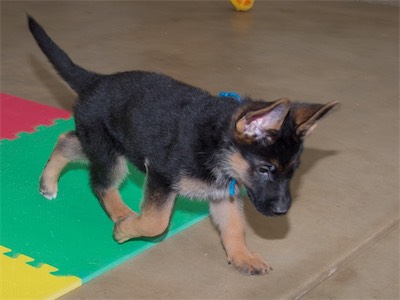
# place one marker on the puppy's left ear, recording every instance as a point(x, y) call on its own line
point(262, 122)
point(306, 115)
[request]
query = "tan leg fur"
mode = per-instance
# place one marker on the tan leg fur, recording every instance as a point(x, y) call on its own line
point(228, 216)
point(114, 205)
point(152, 221)
point(67, 149)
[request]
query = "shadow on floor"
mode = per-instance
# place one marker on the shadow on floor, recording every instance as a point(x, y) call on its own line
point(272, 228)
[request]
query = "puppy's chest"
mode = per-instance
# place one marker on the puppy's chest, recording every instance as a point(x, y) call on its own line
point(196, 188)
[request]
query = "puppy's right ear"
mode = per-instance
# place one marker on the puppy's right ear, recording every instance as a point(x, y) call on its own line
point(306, 115)
point(261, 123)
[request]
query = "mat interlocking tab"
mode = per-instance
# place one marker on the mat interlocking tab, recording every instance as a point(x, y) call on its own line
point(21, 115)
point(21, 280)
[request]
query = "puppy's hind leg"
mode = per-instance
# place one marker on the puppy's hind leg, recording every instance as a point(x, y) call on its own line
point(155, 215)
point(106, 178)
point(67, 149)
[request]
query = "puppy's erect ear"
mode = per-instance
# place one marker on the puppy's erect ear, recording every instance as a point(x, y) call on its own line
point(306, 115)
point(263, 122)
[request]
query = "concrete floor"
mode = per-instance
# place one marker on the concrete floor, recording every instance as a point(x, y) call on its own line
point(341, 237)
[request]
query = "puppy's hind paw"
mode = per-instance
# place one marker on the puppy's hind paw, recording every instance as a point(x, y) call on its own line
point(124, 229)
point(48, 191)
point(48, 195)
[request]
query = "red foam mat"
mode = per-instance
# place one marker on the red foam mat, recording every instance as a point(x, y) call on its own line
point(21, 115)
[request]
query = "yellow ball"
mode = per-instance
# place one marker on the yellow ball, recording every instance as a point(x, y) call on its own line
point(242, 5)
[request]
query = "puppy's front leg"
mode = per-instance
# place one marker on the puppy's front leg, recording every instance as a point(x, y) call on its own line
point(155, 215)
point(228, 216)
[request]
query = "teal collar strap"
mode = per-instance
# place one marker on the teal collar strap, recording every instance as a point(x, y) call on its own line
point(232, 186)
point(233, 95)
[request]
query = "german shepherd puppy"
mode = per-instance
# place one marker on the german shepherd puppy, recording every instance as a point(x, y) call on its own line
point(188, 141)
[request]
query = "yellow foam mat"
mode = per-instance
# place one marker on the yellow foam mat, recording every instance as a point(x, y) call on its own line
point(18, 280)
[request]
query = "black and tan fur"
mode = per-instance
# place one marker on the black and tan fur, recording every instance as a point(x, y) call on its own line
point(188, 142)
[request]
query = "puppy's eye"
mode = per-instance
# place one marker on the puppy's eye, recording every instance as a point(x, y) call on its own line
point(266, 169)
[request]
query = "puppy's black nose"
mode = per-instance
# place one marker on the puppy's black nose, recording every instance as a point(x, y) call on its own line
point(279, 213)
point(280, 210)
point(281, 205)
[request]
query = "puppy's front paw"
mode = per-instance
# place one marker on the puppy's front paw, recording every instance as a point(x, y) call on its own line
point(124, 229)
point(249, 263)
point(48, 189)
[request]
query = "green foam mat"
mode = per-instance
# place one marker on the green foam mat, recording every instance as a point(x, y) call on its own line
point(71, 232)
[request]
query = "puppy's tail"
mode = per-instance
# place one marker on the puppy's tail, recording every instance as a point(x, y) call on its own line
point(77, 77)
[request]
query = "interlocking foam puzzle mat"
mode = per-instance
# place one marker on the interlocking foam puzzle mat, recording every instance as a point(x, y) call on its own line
point(20, 115)
point(48, 248)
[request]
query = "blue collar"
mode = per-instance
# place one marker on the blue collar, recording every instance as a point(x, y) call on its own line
point(233, 95)
point(232, 185)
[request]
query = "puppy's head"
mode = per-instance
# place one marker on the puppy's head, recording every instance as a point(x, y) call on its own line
point(268, 139)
